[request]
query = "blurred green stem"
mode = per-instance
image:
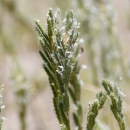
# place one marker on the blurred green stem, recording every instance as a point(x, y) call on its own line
point(22, 114)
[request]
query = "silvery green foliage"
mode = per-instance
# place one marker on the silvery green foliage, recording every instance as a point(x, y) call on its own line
point(101, 39)
point(94, 107)
point(1, 107)
point(57, 44)
point(22, 92)
point(116, 97)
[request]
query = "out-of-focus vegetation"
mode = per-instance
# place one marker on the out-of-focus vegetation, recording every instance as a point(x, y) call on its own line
point(105, 50)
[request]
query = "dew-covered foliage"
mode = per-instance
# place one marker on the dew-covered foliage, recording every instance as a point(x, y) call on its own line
point(61, 65)
point(116, 97)
point(80, 44)
point(57, 43)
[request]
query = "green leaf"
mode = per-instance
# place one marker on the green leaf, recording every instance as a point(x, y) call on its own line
point(66, 105)
point(49, 73)
point(50, 30)
point(64, 118)
point(67, 75)
point(50, 13)
point(72, 95)
point(69, 20)
point(60, 82)
point(56, 106)
point(76, 120)
point(80, 111)
point(46, 60)
point(40, 31)
point(44, 44)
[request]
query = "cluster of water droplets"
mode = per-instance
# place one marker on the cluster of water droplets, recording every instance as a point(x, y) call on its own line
point(76, 24)
point(69, 54)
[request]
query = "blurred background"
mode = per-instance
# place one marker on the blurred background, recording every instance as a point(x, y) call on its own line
point(104, 37)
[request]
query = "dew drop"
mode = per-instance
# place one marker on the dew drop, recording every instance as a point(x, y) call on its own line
point(59, 72)
point(120, 78)
point(75, 23)
point(3, 107)
point(58, 47)
point(79, 24)
point(47, 14)
point(3, 118)
point(70, 55)
point(63, 34)
point(68, 52)
point(62, 68)
point(95, 100)
point(70, 32)
point(122, 94)
point(81, 40)
point(62, 28)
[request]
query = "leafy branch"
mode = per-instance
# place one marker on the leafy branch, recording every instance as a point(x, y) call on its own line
point(57, 44)
point(61, 65)
point(94, 107)
point(116, 97)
